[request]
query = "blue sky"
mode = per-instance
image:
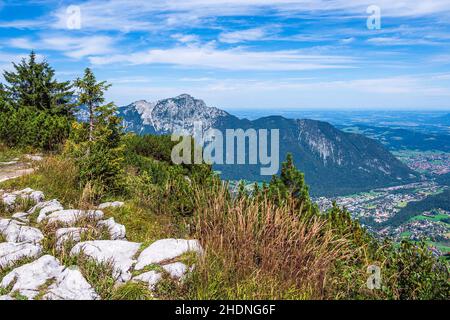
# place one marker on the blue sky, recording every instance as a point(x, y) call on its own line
point(244, 53)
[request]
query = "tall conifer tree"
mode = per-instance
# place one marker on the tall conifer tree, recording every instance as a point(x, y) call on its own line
point(33, 84)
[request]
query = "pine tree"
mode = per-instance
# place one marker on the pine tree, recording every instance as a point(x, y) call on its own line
point(33, 84)
point(97, 146)
point(290, 185)
point(91, 94)
point(3, 98)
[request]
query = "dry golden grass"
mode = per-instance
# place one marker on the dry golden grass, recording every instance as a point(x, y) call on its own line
point(256, 250)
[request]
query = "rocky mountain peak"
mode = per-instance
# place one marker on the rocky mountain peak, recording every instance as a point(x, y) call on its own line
point(334, 162)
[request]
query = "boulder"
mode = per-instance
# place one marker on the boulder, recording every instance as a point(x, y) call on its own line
point(116, 230)
point(166, 249)
point(36, 196)
point(71, 285)
point(70, 217)
point(68, 234)
point(118, 252)
point(21, 216)
point(115, 204)
point(11, 253)
point(151, 278)
point(29, 278)
point(6, 297)
point(46, 208)
point(9, 199)
point(14, 231)
point(5, 223)
point(176, 270)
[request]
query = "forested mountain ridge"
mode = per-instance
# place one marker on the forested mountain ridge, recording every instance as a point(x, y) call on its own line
point(334, 162)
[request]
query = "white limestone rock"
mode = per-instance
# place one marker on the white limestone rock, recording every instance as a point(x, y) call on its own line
point(118, 252)
point(68, 234)
point(70, 217)
point(14, 231)
point(10, 199)
point(10, 253)
point(46, 208)
point(5, 223)
point(176, 270)
point(37, 196)
point(166, 249)
point(115, 204)
point(28, 278)
point(6, 297)
point(151, 278)
point(24, 191)
point(116, 230)
point(71, 285)
point(34, 157)
point(21, 216)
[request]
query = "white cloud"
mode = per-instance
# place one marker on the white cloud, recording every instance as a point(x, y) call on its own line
point(229, 59)
point(144, 15)
point(243, 35)
point(25, 24)
point(348, 40)
point(73, 47)
point(186, 38)
point(396, 41)
point(383, 85)
point(408, 91)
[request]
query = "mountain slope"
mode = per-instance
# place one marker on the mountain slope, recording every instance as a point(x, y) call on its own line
point(334, 162)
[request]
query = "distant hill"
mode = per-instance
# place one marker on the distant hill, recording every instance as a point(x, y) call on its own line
point(334, 162)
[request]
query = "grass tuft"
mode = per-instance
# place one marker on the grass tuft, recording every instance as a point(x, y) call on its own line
point(256, 250)
point(132, 291)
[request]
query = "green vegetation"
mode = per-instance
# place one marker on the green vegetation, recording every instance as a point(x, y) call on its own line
point(412, 209)
point(444, 179)
point(271, 243)
point(36, 109)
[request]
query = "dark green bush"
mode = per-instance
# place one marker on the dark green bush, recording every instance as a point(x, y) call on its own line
point(25, 127)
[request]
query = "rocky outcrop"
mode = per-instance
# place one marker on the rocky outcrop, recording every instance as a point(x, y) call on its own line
point(11, 253)
point(71, 285)
point(116, 230)
point(114, 204)
point(64, 235)
point(14, 231)
point(37, 273)
point(70, 217)
point(28, 278)
point(117, 252)
point(166, 249)
point(46, 208)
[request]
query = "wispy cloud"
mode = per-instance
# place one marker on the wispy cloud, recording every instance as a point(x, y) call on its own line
point(73, 47)
point(144, 15)
point(243, 35)
point(229, 59)
point(382, 92)
point(208, 47)
point(396, 41)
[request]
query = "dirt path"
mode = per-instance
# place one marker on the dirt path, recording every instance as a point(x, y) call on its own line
point(15, 168)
